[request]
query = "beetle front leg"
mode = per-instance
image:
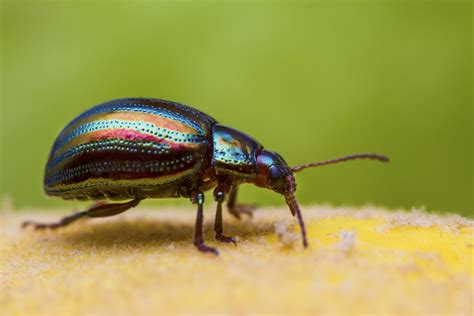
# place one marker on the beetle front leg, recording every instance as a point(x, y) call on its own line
point(198, 199)
point(219, 196)
point(237, 209)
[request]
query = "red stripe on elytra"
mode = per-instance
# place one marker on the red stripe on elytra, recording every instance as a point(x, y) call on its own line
point(128, 134)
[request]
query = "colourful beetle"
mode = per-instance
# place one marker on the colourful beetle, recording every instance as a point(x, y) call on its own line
point(137, 148)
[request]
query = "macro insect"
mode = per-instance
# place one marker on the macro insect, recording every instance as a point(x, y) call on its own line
point(139, 148)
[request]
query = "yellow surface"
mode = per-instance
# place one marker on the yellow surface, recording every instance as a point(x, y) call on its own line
point(143, 262)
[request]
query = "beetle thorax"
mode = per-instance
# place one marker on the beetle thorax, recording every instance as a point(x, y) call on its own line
point(234, 154)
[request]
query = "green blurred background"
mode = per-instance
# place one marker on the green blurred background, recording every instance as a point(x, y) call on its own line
point(311, 80)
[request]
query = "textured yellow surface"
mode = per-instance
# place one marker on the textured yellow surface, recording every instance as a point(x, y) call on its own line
point(143, 262)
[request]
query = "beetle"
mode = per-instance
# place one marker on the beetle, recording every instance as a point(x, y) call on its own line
point(139, 148)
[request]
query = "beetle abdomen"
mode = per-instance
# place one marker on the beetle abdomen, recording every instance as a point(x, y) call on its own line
point(128, 147)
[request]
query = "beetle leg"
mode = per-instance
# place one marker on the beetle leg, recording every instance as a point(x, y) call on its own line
point(237, 209)
point(111, 209)
point(99, 209)
point(219, 196)
point(198, 199)
point(66, 220)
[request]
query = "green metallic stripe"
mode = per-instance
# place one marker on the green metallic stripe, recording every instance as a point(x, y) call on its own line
point(156, 108)
point(146, 128)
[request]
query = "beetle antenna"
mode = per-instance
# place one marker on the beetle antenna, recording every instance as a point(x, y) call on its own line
point(295, 209)
point(378, 157)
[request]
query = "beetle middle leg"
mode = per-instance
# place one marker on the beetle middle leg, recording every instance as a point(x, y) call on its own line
point(198, 198)
point(219, 196)
point(237, 209)
point(99, 209)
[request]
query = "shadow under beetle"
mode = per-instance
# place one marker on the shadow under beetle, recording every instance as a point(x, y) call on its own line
point(137, 148)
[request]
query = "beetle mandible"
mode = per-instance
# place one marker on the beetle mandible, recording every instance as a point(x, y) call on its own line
point(139, 148)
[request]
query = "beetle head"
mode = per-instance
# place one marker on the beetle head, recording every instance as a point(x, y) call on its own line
point(275, 174)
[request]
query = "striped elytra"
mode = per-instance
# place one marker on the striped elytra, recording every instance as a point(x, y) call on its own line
point(129, 148)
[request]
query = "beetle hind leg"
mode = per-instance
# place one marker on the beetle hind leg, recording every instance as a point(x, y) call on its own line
point(99, 209)
point(66, 220)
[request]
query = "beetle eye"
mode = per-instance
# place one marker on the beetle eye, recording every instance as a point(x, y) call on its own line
point(275, 175)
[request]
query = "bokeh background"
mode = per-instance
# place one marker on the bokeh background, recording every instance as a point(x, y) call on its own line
point(311, 80)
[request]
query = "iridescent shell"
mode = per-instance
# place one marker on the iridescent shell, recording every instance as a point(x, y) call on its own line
point(234, 153)
point(130, 148)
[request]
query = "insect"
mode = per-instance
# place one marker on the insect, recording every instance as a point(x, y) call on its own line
point(138, 148)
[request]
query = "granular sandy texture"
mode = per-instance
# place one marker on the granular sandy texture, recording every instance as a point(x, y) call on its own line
point(143, 262)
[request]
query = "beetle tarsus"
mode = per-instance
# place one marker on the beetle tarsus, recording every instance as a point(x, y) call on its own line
point(38, 226)
point(226, 239)
point(202, 247)
point(61, 223)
